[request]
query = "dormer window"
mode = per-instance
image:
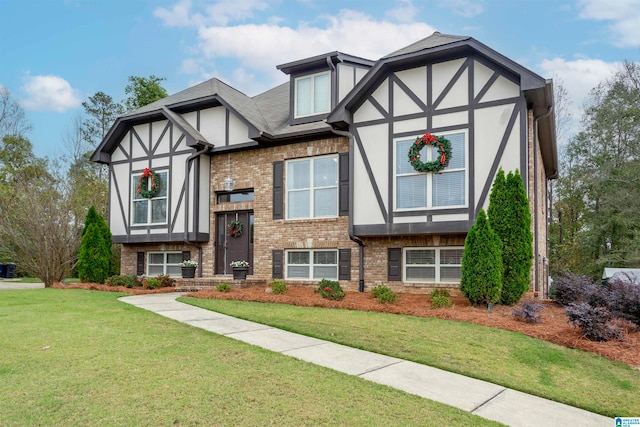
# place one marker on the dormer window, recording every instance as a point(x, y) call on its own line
point(313, 94)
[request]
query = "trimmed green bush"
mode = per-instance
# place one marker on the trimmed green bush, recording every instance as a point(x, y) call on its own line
point(223, 287)
point(384, 294)
point(510, 219)
point(124, 280)
point(278, 287)
point(330, 289)
point(481, 281)
point(151, 283)
point(440, 298)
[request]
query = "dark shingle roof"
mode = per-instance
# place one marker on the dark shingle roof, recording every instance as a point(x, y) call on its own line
point(434, 40)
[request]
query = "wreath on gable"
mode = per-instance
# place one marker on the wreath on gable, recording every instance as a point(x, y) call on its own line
point(235, 228)
point(144, 189)
point(444, 153)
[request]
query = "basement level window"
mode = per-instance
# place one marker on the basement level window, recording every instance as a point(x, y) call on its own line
point(236, 196)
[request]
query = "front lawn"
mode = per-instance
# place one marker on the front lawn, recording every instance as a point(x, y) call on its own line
point(76, 357)
point(507, 358)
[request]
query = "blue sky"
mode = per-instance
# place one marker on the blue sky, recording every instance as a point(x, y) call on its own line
point(56, 53)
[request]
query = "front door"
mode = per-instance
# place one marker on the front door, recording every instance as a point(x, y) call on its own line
point(230, 247)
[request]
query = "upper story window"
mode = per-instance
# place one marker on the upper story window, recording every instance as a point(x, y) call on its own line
point(312, 94)
point(154, 210)
point(312, 187)
point(418, 190)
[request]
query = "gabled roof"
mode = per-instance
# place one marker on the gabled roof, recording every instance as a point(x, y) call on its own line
point(434, 40)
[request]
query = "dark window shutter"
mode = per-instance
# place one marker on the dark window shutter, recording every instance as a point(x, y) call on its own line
point(140, 264)
point(278, 190)
point(344, 264)
point(394, 272)
point(343, 205)
point(186, 255)
point(277, 256)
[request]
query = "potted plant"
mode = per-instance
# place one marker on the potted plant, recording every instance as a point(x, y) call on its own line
point(240, 269)
point(188, 269)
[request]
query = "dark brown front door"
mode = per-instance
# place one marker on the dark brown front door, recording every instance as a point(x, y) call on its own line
point(233, 248)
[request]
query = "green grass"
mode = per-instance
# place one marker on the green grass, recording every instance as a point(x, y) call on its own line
point(510, 359)
point(75, 357)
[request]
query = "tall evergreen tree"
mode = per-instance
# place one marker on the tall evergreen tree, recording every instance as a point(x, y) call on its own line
point(510, 218)
point(95, 249)
point(481, 281)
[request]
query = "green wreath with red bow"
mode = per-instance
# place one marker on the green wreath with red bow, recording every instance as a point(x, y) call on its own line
point(235, 228)
point(144, 189)
point(444, 153)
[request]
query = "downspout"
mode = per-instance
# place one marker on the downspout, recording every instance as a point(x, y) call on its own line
point(186, 206)
point(351, 235)
point(536, 119)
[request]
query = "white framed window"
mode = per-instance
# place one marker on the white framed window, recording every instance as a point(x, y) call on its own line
point(433, 265)
point(150, 211)
point(419, 190)
point(312, 264)
point(164, 263)
point(313, 94)
point(312, 187)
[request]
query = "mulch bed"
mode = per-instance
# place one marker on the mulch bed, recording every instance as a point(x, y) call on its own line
point(553, 326)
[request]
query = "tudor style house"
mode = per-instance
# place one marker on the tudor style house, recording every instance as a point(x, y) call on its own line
point(312, 179)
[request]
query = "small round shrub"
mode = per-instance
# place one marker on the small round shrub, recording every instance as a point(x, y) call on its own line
point(330, 289)
point(527, 311)
point(166, 281)
point(278, 287)
point(128, 281)
point(151, 283)
point(223, 287)
point(384, 294)
point(594, 322)
point(440, 298)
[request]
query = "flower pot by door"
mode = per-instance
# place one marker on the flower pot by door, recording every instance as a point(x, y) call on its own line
point(240, 273)
point(188, 272)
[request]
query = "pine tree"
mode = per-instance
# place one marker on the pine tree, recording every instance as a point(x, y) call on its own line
point(95, 249)
point(481, 281)
point(510, 218)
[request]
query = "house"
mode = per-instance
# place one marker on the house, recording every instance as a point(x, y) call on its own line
point(311, 179)
point(630, 276)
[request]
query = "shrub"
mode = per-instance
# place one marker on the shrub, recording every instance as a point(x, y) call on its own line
point(124, 280)
point(278, 287)
point(510, 219)
point(595, 322)
point(574, 288)
point(223, 287)
point(384, 294)
point(624, 301)
point(481, 281)
point(527, 311)
point(151, 283)
point(440, 298)
point(166, 281)
point(94, 257)
point(330, 289)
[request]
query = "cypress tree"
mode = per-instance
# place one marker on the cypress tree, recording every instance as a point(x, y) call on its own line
point(481, 281)
point(510, 218)
point(95, 249)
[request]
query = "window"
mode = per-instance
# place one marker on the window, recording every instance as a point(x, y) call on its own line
point(312, 187)
point(236, 196)
point(417, 190)
point(164, 263)
point(433, 265)
point(313, 94)
point(312, 264)
point(150, 211)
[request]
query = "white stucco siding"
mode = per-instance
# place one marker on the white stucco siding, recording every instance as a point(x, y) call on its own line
point(442, 74)
point(411, 125)
point(409, 219)
point(238, 131)
point(212, 125)
point(366, 112)
point(139, 145)
point(119, 183)
point(451, 119)
point(416, 80)
point(402, 103)
point(451, 217)
point(346, 80)
point(374, 142)
point(205, 173)
point(177, 134)
point(123, 147)
point(360, 73)
point(501, 89)
point(160, 140)
point(458, 95)
point(160, 162)
point(481, 75)
point(191, 118)
point(381, 95)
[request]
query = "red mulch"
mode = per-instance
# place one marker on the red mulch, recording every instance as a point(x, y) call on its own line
point(553, 326)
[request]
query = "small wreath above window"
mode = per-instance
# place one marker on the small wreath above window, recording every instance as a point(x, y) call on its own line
point(235, 228)
point(444, 153)
point(144, 189)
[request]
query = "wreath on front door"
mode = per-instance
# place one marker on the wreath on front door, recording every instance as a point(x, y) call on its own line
point(235, 228)
point(146, 191)
point(444, 153)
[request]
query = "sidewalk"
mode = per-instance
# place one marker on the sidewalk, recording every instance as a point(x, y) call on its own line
point(478, 397)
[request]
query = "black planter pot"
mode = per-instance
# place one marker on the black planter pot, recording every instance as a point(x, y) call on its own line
point(188, 272)
point(240, 273)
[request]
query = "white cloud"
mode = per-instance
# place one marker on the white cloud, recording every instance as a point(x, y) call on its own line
point(219, 13)
point(49, 93)
point(464, 8)
point(405, 12)
point(177, 16)
point(624, 14)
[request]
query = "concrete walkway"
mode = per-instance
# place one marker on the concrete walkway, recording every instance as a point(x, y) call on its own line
point(8, 285)
point(478, 397)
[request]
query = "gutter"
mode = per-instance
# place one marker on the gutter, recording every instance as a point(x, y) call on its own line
point(351, 235)
point(536, 271)
point(186, 206)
